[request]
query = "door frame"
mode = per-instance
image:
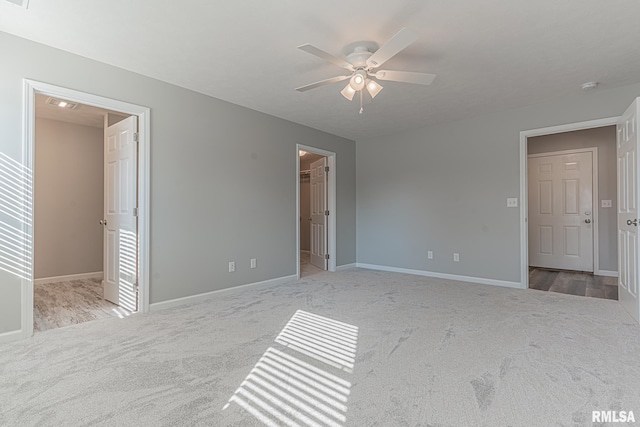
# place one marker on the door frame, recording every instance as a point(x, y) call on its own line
point(30, 89)
point(331, 204)
point(524, 173)
point(594, 199)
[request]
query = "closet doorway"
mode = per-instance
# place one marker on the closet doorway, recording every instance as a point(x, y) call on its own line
point(315, 183)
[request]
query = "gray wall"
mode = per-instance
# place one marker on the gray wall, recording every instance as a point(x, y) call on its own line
point(604, 139)
point(68, 198)
point(222, 176)
point(444, 187)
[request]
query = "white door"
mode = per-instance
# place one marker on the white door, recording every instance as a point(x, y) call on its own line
point(318, 216)
point(561, 211)
point(120, 237)
point(628, 241)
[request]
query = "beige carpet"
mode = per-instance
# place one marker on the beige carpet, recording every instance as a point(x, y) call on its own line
point(354, 348)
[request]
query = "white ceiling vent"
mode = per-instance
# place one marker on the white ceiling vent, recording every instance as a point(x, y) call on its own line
point(62, 104)
point(21, 3)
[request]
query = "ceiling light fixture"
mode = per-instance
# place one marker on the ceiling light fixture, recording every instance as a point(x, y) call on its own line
point(348, 92)
point(62, 104)
point(362, 60)
point(373, 87)
point(589, 85)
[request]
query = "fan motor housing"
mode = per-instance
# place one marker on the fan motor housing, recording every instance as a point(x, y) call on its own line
point(358, 58)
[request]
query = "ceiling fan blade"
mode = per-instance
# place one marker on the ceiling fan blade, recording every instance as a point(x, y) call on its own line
point(321, 83)
point(400, 41)
point(326, 56)
point(406, 77)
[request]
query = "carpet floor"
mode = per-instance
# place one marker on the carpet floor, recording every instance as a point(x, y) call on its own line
point(353, 348)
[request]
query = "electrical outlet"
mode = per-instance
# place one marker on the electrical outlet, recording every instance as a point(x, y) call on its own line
point(232, 266)
point(430, 255)
point(512, 202)
point(456, 257)
point(254, 263)
point(606, 203)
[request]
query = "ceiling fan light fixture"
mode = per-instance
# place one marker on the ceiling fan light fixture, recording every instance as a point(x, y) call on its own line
point(357, 81)
point(348, 92)
point(373, 87)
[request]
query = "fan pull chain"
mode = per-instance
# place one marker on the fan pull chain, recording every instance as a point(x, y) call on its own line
point(361, 107)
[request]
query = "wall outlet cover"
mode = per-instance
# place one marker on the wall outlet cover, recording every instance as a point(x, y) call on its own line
point(254, 263)
point(430, 255)
point(606, 203)
point(456, 257)
point(512, 202)
point(232, 266)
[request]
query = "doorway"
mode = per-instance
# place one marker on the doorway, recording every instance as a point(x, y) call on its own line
point(315, 210)
point(68, 211)
point(572, 213)
point(140, 179)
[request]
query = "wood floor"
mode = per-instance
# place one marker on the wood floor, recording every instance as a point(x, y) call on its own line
point(574, 283)
point(69, 303)
point(306, 268)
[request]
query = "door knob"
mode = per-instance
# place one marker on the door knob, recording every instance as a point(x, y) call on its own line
point(103, 222)
point(634, 222)
point(588, 221)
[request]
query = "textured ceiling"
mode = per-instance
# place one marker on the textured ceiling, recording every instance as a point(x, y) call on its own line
point(489, 55)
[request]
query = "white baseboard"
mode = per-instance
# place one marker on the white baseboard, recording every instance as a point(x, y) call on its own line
point(346, 266)
point(480, 280)
point(200, 297)
point(607, 273)
point(57, 279)
point(11, 336)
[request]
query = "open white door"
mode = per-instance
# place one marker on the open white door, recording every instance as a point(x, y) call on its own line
point(560, 211)
point(120, 238)
point(628, 152)
point(319, 213)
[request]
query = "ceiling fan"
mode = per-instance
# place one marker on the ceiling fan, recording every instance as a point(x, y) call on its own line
point(363, 62)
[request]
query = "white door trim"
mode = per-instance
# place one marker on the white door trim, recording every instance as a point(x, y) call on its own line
point(595, 198)
point(524, 196)
point(331, 204)
point(30, 88)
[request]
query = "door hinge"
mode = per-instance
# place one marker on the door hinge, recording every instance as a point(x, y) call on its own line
point(326, 256)
point(135, 212)
point(326, 213)
point(135, 287)
point(326, 168)
point(135, 136)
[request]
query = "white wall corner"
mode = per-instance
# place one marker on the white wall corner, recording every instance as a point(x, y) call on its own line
point(346, 266)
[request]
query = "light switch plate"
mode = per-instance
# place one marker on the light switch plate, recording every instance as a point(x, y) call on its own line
point(606, 203)
point(512, 202)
